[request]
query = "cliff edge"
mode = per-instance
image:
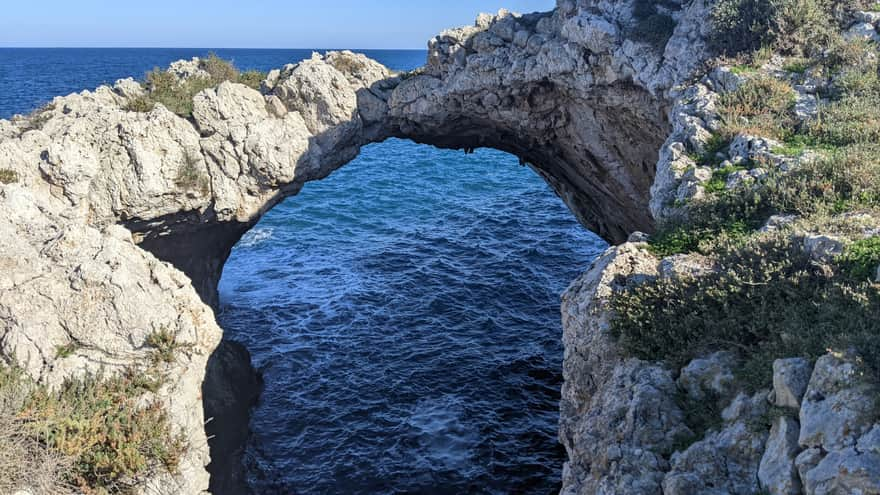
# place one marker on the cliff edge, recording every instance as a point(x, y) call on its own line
point(731, 348)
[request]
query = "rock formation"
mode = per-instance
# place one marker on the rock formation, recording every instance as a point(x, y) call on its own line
point(119, 222)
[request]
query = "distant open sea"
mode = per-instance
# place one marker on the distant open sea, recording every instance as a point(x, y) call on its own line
point(404, 311)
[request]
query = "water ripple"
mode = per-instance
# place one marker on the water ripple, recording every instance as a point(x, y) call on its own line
point(405, 314)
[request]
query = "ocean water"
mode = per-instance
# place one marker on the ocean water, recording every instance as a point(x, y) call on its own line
point(404, 311)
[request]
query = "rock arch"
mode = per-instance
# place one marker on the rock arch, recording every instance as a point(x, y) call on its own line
point(566, 91)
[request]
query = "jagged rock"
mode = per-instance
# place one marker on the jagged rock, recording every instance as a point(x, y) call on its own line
point(711, 374)
point(823, 248)
point(128, 88)
point(806, 106)
point(725, 80)
point(778, 222)
point(845, 471)
point(778, 473)
point(105, 194)
point(870, 442)
point(618, 416)
point(68, 284)
point(838, 406)
point(745, 407)
point(862, 31)
point(188, 69)
point(637, 237)
point(745, 148)
point(724, 462)
point(868, 17)
point(806, 461)
point(790, 380)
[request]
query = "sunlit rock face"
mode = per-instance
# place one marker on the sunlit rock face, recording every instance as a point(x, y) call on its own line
point(568, 91)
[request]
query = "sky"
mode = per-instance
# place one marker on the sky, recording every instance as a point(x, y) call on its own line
point(241, 24)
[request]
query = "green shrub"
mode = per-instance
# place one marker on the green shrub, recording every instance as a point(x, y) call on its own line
point(65, 351)
point(142, 104)
point(718, 182)
point(252, 78)
point(8, 176)
point(741, 25)
point(797, 27)
point(655, 29)
point(165, 346)
point(850, 120)
point(218, 70)
point(762, 105)
point(842, 180)
point(797, 65)
point(107, 439)
point(770, 300)
point(177, 96)
point(191, 178)
point(861, 259)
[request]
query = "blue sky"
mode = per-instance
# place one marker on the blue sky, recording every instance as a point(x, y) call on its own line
point(242, 24)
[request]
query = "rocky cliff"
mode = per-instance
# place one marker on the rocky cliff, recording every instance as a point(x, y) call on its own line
point(117, 219)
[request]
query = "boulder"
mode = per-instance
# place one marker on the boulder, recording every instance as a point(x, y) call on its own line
point(778, 473)
point(838, 406)
point(713, 373)
point(845, 471)
point(790, 380)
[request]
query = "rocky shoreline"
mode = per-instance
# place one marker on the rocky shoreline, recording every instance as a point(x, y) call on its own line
point(116, 219)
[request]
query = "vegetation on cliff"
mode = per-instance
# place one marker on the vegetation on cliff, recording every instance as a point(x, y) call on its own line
point(93, 434)
point(772, 293)
point(177, 95)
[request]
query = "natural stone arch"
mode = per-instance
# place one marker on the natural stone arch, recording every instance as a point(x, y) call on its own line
point(566, 91)
point(596, 149)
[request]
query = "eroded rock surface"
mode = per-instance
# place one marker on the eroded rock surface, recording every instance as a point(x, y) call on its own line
point(119, 222)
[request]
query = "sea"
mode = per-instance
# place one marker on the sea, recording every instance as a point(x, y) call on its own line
point(404, 312)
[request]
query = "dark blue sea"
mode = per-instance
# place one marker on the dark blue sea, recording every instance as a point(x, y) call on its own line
point(404, 311)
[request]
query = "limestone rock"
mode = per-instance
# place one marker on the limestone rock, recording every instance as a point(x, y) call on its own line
point(823, 248)
point(778, 222)
point(711, 374)
point(618, 416)
point(845, 471)
point(778, 473)
point(683, 266)
point(838, 406)
point(807, 461)
point(862, 31)
point(724, 462)
point(790, 380)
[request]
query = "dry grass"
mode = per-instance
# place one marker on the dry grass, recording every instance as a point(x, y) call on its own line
point(25, 463)
point(95, 434)
point(762, 105)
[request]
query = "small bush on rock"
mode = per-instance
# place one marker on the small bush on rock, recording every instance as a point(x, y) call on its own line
point(794, 27)
point(177, 95)
point(165, 346)
point(8, 176)
point(861, 259)
point(252, 78)
point(98, 428)
point(762, 105)
point(191, 178)
point(842, 180)
point(769, 300)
